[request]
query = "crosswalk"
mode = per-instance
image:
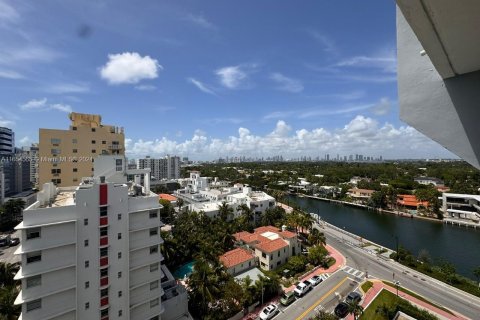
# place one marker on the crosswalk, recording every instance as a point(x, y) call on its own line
point(354, 272)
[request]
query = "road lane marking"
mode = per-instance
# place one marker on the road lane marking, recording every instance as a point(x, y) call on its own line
point(313, 306)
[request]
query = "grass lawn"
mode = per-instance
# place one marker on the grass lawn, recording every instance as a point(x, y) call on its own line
point(385, 297)
point(366, 286)
point(417, 296)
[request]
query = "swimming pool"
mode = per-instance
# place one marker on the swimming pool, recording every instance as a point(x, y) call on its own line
point(185, 270)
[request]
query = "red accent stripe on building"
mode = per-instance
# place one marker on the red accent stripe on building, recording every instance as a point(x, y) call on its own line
point(103, 194)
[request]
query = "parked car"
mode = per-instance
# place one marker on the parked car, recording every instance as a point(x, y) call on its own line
point(4, 240)
point(14, 242)
point(353, 297)
point(269, 312)
point(287, 298)
point(315, 280)
point(341, 310)
point(302, 288)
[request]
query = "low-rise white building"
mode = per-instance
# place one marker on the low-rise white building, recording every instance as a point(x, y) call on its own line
point(461, 206)
point(93, 251)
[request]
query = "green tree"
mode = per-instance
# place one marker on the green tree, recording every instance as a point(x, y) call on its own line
point(355, 309)
point(8, 310)
point(316, 237)
point(317, 255)
point(180, 204)
point(297, 263)
point(476, 273)
point(7, 272)
point(225, 211)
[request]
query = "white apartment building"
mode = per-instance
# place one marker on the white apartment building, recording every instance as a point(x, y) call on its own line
point(93, 251)
point(31, 153)
point(161, 168)
point(461, 206)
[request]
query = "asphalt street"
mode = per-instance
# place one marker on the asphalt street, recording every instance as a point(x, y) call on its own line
point(7, 253)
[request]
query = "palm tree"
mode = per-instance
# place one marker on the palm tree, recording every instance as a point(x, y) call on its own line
point(202, 284)
point(225, 211)
point(180, 204)
point(306, 221)
point(246, 212)
point(316, 237)
point(8, 310)
point(355, 309)
point(7, 272)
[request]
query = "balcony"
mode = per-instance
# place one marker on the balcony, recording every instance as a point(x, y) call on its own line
point(103, 302)
point(104, 318)
point(104, 241)
point(103, 261)
point(103, 221)
point(104, 282)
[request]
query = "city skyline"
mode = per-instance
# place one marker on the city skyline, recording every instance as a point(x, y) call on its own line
point(201, 87)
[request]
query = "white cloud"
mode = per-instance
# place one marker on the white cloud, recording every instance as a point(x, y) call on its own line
point(286, 83)
point(360, 135)
point(25, 141)
point(201, 86)
point(382, 107)
point(63, 88)
point(327, 43)
point(13, 55)
point(231, 76)
point(5, 122)
point(278, 115)
point(200, 21)
point(7, 12)
point(9, 74)
point(42, 105)
point(145, 87)
point(34, 104)
point(129, 68)
point(386, 61)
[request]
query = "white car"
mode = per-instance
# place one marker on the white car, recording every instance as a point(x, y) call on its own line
point(302, 288)
point(269, 312)
point(315, 280)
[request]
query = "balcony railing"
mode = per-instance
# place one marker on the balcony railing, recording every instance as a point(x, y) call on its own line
point(115, 147)
point(103, 302)
point(104, 241)
point(104, 282)
point(103, 261)
point(103, 221)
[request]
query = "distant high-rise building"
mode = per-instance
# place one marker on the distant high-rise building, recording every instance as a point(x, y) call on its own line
point(7, 163)
point(21, 171)
point(31, 153)
point(65, 156)
point(161, 168)
point(327, 157)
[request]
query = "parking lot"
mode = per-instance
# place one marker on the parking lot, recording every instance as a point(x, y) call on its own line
point(7, 253)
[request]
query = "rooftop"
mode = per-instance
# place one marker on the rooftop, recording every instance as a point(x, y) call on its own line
point(166, 196)
point(271, 246)
point(235, 257)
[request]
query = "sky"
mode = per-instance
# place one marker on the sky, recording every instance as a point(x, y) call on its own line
point(210, 79)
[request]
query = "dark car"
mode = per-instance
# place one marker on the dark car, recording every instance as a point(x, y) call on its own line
point(341, 310)
point(353, 297)
point(14, 242)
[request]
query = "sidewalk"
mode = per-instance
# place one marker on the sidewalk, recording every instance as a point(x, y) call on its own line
point(379, 286)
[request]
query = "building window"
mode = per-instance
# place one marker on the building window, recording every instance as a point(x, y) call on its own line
point(87, 284)
point(103, 272)
point(153, 285)
point(56, 181)
point(119, 216)
point(87, 264)
point(35, 304)
point(87, 305)
point(153, 213)
point(104, 292)
point(93, 141)
point(278, 253)
point(264, 255)
point(34, 257)
point(103, 231)
point(119, 274)
point(74, 140)
point(74, 128)
point(119, 255)
point(85, 242)
point(103, 211)
point(103, 252)
point(104, 142)
point(75, 169)
point(55, 151)
point(56, 171)
point(33, 233)
point(119, 294)
point(74, 150)
point(93, 129)
point(153, 249)
point(153, 303)
point(153, 231)
point(119, 236)
point(120, 313)
point(55, 141)
point(34, 281)
point(118, 164)
point(85, 222)
point(104, 313)
point(94, 151)
point(154, 267)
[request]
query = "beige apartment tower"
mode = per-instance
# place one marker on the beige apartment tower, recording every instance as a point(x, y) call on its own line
point(65, 156)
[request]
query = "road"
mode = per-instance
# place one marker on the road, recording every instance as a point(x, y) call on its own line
point(325, 295)
point(7, 253)
point(432, 289)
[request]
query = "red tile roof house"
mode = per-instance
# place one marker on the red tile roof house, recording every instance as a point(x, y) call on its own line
point(238, 260)
point(271, 246)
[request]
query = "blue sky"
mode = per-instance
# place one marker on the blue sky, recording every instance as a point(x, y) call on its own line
point(206, 79)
